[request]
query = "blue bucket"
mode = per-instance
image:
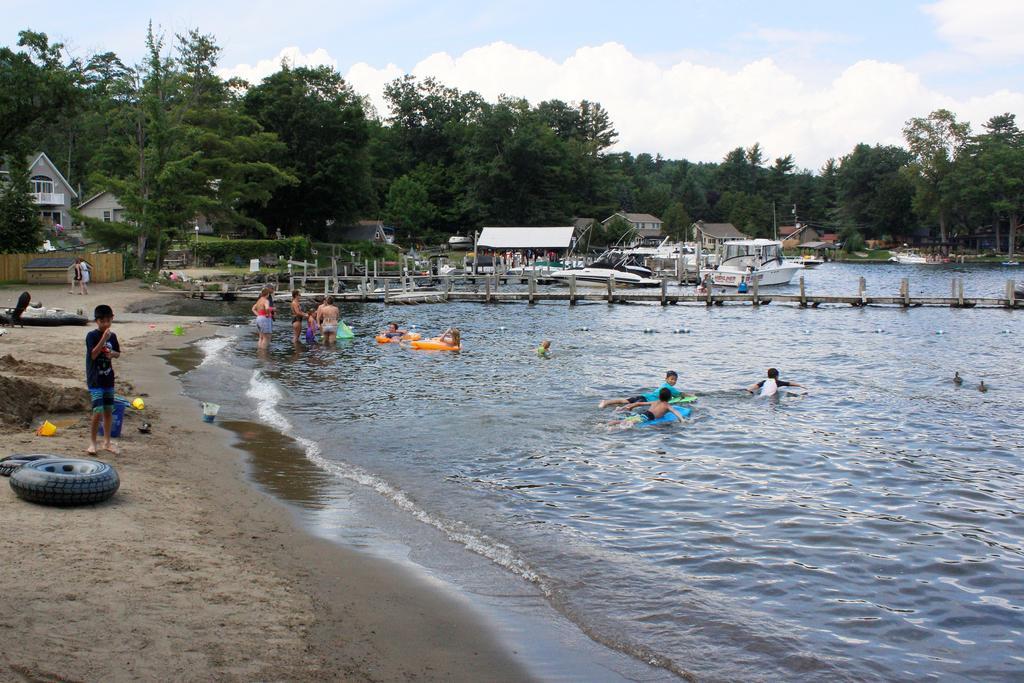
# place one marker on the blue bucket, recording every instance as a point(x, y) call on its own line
point(117, 419)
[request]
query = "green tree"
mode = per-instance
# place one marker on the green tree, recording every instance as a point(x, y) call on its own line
point(409, 207)
point(19, 218)
point(990, 173)
point(875, 195)
point(935, 142)
point(676, 221)
point(321, 121)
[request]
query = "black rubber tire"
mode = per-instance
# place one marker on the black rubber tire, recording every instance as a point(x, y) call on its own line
point(11, 463)
point(65, 481)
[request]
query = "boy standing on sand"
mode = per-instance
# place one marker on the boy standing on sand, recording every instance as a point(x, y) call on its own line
point(101, 347)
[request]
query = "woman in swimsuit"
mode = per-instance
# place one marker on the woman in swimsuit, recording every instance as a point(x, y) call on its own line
point(451, 337)
point(263, 312)
point(328, 318)
point(297, 316)
point(77, 277)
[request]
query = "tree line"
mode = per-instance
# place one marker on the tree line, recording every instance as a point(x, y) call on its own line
point(303, 153)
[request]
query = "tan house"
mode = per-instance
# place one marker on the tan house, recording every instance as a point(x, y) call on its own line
point(645, 224)
point(711, 235)
point(103, 206)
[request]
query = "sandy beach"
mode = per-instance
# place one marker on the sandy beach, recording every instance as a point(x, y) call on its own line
point(189, 573)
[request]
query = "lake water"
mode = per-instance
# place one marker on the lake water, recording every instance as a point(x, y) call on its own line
point(868, 528)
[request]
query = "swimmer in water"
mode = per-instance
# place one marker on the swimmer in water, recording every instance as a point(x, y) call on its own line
point(544, 349)
point(393, 332)
point(671, 377)
point(770, 386)
point(657, 409)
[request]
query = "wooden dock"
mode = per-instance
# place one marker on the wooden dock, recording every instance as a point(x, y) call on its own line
point(488, 290)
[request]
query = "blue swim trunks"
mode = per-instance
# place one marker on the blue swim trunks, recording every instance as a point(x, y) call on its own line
point(102, 399)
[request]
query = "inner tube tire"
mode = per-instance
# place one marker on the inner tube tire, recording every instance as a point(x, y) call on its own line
point(65, 481)
point(12, 462)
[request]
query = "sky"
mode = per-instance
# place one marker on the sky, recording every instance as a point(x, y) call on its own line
point(685, 79)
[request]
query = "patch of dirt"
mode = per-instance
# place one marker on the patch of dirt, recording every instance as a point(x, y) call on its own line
point(27, 401)
point(14, 366)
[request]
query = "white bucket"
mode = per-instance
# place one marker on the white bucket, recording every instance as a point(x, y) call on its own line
point(210, 411)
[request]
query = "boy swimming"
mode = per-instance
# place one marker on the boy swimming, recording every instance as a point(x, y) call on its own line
point(770, 386)
point(671, 377)
point(658, 409)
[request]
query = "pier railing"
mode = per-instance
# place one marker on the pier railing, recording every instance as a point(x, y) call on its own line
point(488, 289)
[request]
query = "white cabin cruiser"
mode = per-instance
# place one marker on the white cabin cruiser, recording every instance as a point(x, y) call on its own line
point(747, 260)
point(907, 257)
point(612, 264)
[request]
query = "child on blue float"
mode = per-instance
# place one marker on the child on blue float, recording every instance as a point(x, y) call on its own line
point(658, 409)
point(101, 346)
point(671, 377)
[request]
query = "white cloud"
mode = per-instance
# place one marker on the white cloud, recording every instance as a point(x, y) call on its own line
point(293, 55)
point(990, 28)
point(696, 111)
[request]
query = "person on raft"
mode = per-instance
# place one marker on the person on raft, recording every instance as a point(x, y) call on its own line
point(671, 377)
point(392, 332)
point(451, 337)
point(770, 386)
point(657, 409)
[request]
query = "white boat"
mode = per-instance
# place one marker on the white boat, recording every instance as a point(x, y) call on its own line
point(460, 242)
point(540, 269)
point(907, 257)
point(809, 261)
point(747, 260)
point(612, 264)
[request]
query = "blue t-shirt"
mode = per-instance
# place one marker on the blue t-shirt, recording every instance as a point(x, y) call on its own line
point(99, 373)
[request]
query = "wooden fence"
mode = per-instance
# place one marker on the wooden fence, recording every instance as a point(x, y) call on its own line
point(104, 267)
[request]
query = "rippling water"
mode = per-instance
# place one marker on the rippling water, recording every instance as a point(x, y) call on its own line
point(867, 528)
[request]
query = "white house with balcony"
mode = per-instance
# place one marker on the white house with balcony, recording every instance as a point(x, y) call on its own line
point(51, 191)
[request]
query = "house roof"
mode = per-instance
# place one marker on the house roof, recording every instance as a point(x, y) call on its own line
point(360, 232)
point(97, 196)
point(50, 262)
point(721, 231)
point(526, 238)
point(634, 217)
point(787, 229)
point(818, 245)
point(42, 155)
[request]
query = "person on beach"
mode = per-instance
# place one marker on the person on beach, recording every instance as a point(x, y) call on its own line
point(263, 309)
point(327, 317)
point(312, 327)
point(771, 385)
point(84, 283)
point(544, 349)
point(101, 347)
point(392, 331)
point(297, 316)
point(656, 409)
point(671, 377)
point(76, 273)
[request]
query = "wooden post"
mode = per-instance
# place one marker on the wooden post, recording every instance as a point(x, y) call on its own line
point(366, 287)
point(860, 289)
point(374, 269)
point(487, 287)
point(755, 278)
point(387, 288)
point(664, 291)
point(905, 291)
point(611, 287)
point(707, 294)
point(803, 294)
point(960, 292)
point(1010, 294)
point(327, 281)
point(572, 290)
point(532, 286)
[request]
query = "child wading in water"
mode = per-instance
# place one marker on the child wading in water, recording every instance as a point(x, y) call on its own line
point(771, 386)
point(544, 349)
point(100, 348)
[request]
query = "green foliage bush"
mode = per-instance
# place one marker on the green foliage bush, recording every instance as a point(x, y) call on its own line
point(225, 251)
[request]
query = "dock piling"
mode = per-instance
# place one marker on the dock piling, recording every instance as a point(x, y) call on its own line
point(572, 290)
point(861, 285)
point(905, 292)
point(664, 291)
point(803, 294)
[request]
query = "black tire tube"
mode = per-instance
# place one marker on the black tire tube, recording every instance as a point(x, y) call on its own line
point(65, 481)
point(11, 463)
